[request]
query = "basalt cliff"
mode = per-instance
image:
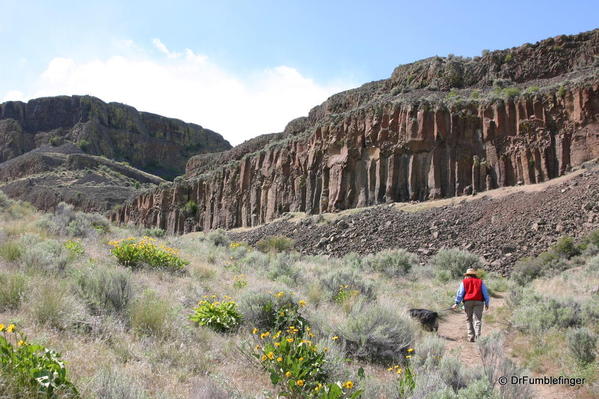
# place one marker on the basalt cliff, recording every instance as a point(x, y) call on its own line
point(149, 142)
point(440, 127)
point(91, 154)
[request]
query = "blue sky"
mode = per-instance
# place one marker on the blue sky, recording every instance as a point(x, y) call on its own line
point(247, 67)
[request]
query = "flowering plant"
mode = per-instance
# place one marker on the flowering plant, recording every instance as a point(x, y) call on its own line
point(33, 365)
point(221, 316)
point(133, 252)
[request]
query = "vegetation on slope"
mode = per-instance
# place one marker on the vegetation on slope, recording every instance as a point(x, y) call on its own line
point(237, 322)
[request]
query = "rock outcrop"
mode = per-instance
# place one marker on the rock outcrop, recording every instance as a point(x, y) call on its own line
point(49, 175)
point(403, 139)
point(150, 142)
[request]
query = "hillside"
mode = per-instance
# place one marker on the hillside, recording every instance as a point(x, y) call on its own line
point(92, 154)
point(149, 142)
point(437, 128)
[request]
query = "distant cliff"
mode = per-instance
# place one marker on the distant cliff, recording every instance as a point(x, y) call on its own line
point(153, 143)
point(440, 127)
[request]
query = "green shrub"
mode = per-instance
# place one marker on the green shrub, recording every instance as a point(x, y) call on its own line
point(582, 344)
point(52, 305)
point(561, 92)
point(75, 248)
point(275, 244)
point(67, 222)
point(272, 312)
point(10, 251)
point(537, 314)
point(478, 389)
point(496, 364)
point(525, 270)
point(341, 283)
point(294, 364)
point(429, 352)
point(48, 255)
point(135, 252)
point(105, 289)
point(151, 315)
point(455, 261)
point(376, 333)
point(452, 372)
point(33, 366)
point(218, 238)
point(12, 289)
point(154, 232)
point(532, 89)
point(566, 247)
point(392, 263)
point(510, 92)
point(221, 316)
point(282, 268)
point(190, 209)
point(84, 144)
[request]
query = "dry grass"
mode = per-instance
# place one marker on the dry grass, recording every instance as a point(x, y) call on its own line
point(152, 346)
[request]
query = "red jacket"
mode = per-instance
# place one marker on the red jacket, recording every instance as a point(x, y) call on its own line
point(473, 289)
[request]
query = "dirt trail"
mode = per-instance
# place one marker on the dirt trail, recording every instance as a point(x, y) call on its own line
point(453, 330)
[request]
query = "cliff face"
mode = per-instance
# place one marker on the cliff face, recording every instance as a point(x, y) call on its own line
point(388, 141)
point(150, 142)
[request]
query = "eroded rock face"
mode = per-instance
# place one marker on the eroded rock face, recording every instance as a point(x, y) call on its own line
point(368, 146)
point(150, 142)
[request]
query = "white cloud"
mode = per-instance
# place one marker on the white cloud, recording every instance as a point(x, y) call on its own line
point(191, 87)
point(13, 95)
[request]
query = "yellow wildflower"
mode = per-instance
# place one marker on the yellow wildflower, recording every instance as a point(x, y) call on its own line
point(301, 359)
point(21, 343)
point(1, 327)
point(271, 355)
point(258, 347)
point(348, 384)
point(264, 357)
point(289, 339)
point(302, 303)
point(280, 294)
point(279, 359)
point(409, 357)
point(411, 350)
point(277, 344)
point(300, 383)
point(255, 331)
point(10, 328)
point(399, 371)
point(288, 374)
point(335, 338)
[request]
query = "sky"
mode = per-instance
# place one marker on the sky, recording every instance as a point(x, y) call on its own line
point(244, 68)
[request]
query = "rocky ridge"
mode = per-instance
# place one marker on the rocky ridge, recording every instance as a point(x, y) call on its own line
point(499, 228)
point(149, 142)
point(49, 175)
point(438, 128)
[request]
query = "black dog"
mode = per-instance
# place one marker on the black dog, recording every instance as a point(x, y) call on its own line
point(428, 318)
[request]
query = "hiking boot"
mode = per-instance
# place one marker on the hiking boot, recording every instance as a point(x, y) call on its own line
point(471, 339)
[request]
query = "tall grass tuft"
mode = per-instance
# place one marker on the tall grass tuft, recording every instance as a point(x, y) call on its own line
point(582, 344)
point(112, 384)
point(11, 251)
point(12, 289)
point(151, 315)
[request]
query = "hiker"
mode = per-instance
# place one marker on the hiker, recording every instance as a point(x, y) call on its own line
point(473, 292)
